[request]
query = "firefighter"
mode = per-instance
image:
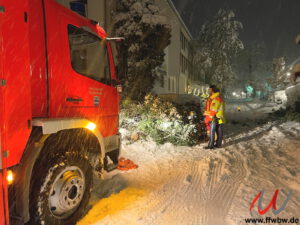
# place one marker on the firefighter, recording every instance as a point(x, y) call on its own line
point(214, 116)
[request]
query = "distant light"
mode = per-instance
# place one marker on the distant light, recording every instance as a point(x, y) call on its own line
point(234, 94)
point(10, 177)
point(91, 126)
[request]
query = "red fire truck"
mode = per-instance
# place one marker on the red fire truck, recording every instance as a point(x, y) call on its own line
point(58, 111)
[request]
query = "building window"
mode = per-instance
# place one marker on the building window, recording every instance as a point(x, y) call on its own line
point(162, 81)
point(173, 85)
point(180, 60)
point(183, 41)
point(184, 64)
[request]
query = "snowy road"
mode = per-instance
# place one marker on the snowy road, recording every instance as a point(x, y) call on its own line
point(250, 111)
point(193, 186)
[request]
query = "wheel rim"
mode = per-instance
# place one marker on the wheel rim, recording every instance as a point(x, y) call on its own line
point(67, 192)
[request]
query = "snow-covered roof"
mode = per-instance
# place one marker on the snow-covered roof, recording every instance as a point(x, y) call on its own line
point(179, 17)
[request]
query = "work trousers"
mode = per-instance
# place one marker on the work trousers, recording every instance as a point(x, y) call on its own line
point(215, 128)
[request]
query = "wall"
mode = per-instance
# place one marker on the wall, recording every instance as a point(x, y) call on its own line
point(175, 79)
point(98, 10)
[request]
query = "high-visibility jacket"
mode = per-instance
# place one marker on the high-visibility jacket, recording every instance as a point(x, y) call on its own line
point(207, 119)
point(215, 107)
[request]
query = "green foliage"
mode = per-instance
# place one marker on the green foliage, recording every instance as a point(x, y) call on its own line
point(293, 116)
point(146, 34)
point(251, 64)
point(163, 122)
point(218, 43)
point(289, 114)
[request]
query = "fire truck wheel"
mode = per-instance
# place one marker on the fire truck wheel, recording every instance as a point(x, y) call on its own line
point(61, 190)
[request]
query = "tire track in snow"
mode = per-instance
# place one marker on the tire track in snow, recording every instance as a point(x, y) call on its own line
point(222, 195)
point(185, 190)
point(197, 188)
point(167, 196)
point(270, 165)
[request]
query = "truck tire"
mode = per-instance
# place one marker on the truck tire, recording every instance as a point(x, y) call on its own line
point(60, 190)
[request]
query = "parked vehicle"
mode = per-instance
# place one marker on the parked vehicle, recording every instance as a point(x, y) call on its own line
point(59, 111)
point(280, 97)
point(293, 96)
point(293, 89)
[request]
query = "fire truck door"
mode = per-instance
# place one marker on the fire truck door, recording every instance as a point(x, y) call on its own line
point(80, 84)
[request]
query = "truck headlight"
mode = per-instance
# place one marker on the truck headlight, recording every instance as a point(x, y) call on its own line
point(91, 126)
point(10, 177)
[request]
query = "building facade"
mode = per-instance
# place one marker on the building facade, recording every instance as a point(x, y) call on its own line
point(177, 69)
point(98, 10)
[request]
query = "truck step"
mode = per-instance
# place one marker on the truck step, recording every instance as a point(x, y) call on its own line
point(110, 167)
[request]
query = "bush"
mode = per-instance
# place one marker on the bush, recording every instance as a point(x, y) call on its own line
point(293, 116)
point(289, 114)
point(164, 121)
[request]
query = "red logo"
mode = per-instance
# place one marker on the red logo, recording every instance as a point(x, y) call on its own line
point(259, 198)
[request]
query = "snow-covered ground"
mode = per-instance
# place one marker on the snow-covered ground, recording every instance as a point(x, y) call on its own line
point(191, 185)
point(250, 111)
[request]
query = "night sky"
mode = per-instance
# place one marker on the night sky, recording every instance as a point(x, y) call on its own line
point(272, 22)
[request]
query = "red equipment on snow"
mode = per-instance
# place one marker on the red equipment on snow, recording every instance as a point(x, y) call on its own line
point(126, 164)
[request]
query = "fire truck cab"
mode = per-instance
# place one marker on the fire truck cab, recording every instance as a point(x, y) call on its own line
point(59, 111)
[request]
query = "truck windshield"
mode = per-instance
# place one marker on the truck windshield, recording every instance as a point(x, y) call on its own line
point(88, 54)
